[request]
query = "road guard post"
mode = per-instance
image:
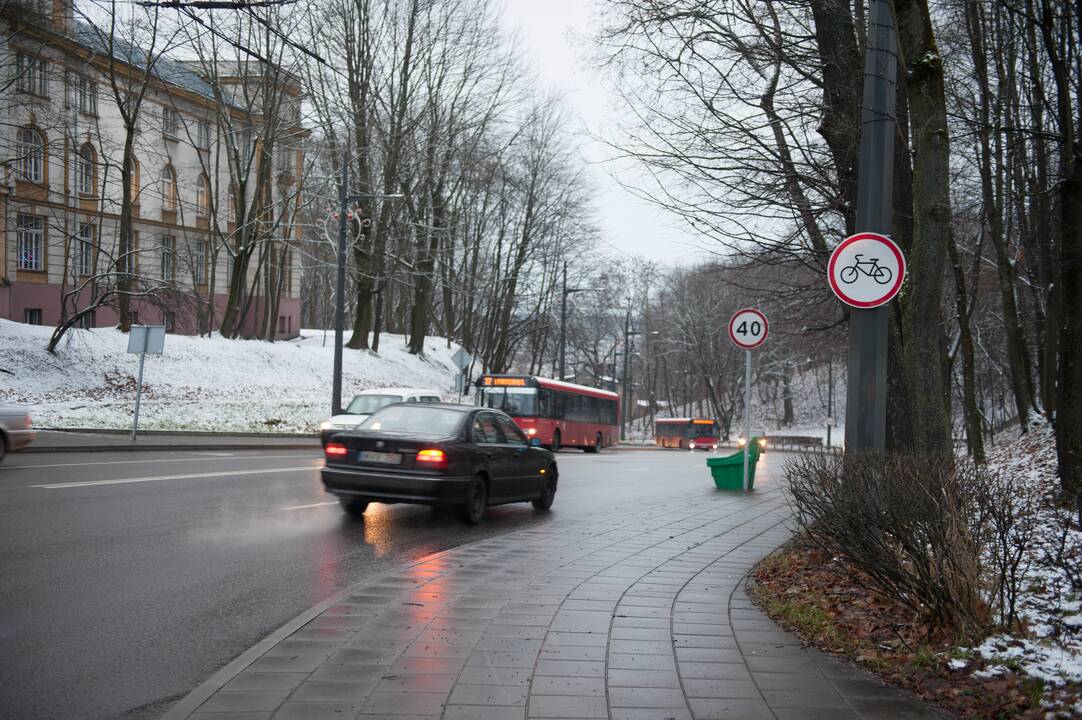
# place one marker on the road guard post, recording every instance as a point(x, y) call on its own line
point(748, 329)
point(144, 340)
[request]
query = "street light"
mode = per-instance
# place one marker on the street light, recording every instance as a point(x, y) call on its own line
point(563, 319)
point(340, 311)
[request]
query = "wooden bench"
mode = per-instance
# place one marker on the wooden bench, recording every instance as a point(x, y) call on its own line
point(793, 441)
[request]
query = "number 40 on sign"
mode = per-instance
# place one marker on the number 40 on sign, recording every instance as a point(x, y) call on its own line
point(748, 328)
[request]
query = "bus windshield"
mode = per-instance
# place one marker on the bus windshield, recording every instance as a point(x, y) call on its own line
point(515, 401)
point(699, 430)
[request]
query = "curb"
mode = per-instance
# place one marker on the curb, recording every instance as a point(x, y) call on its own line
point(166, 448)
point(176, 433)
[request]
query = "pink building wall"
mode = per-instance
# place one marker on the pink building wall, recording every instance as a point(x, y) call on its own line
point(17, 297)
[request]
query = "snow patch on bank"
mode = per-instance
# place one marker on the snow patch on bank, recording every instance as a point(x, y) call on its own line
point(202, 383)
point(1050, 606)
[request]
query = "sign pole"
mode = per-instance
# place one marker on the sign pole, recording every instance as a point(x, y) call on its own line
point(139, 385)
point(748, 329)
point(747, 414)
point(866, 394)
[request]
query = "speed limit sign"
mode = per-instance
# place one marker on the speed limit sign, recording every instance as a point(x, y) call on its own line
point(748, 328)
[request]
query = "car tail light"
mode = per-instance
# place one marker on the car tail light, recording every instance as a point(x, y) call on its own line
point(431, 457)
point(29, 422)
point(335, 451)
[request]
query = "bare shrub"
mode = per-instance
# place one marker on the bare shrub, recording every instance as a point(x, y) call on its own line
point(1007, 512)
point(914, 524)
point(1065, 552)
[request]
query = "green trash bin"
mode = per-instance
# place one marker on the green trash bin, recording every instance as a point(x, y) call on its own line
point(728, 471)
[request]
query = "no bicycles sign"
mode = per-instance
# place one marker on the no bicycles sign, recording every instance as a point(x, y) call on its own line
point(866, 270)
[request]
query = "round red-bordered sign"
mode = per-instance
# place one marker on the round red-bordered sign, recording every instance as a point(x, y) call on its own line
point(748, 328)
point(866, 270)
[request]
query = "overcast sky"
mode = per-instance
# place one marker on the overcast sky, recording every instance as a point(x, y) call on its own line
point(556, 35)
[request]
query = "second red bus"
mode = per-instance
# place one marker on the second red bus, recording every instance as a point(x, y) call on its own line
point(687, 433)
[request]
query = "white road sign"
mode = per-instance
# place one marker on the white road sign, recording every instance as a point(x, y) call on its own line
point(461, 359)
point(866, 270)
point(748, 328)
point(149, 339)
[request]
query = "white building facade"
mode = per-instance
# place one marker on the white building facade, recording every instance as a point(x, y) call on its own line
point(62, 145)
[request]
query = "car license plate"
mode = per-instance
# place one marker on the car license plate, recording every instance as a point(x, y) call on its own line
point(383, 458)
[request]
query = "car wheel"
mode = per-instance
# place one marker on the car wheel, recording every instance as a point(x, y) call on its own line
point(548, 493)
point(355, 508)
point(473, 508)
point(556, 441)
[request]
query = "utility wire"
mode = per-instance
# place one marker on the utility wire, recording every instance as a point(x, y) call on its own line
point(216, 4)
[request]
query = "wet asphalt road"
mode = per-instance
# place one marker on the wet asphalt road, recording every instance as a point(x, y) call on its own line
point(131, 578)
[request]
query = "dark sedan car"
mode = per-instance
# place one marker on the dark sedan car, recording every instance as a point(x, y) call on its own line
point(438, 454)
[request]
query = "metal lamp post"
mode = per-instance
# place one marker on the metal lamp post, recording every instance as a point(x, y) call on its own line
point(866, 392)
point(344, 198)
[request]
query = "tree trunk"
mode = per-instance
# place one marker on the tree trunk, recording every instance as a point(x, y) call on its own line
point(1017, 355)
point(923, 319)
point(970, 413)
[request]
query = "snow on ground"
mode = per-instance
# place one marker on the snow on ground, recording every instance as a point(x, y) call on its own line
point(201, 383)
point(1050, 607)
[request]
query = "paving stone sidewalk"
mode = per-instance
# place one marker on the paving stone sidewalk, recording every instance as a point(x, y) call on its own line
point(637, 615)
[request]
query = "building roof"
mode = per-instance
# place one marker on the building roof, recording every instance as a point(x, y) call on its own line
point(166, 69)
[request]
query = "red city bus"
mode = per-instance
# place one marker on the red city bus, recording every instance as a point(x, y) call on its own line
point(687, 433)
point(556, 413)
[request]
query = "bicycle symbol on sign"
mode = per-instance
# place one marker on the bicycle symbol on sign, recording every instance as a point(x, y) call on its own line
point(871, 268)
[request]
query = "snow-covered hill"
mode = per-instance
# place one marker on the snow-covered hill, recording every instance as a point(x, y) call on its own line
point(201, 383)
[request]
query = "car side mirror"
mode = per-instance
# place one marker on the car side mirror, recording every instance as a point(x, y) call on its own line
point(535, 442)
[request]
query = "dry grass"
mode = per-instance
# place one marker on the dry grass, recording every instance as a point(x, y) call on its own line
point(828, 603)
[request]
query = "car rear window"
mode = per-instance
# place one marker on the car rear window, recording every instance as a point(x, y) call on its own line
point(368, 404)
point(415, 419)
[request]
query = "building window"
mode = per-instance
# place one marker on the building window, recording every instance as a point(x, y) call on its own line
point(199, 262)
point(169, 258)
point(87, 321)
point(289, 272)
point(30, 161)
point(285, 160)
point(169, 189)
point(30, 230)
point(169, 320)
point(201, 195)
point(232, 211)
point(133, 183)
point(32, 74)
point(32, 316)
point(170, 122)
point(83, 260)
point(129, 257)
point(84, 169)
point(282, 324)
point(88, 96)
point(202, 134)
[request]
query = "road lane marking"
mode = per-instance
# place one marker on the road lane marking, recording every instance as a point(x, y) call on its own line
point(144, 462)
point(312, 505)
point(191, 476)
